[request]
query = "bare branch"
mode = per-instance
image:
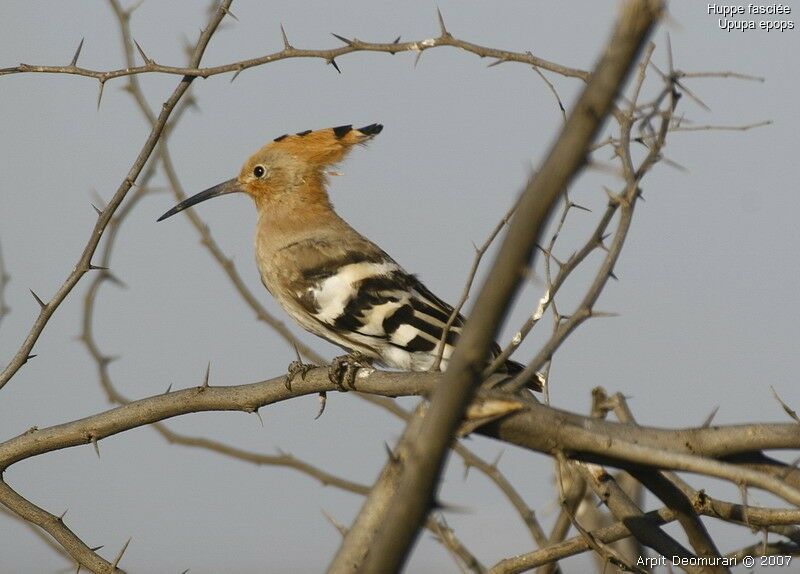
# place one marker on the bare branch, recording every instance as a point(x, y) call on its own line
point(82, 266)
point(56, 528)
point(423, 447)
point(353, 45)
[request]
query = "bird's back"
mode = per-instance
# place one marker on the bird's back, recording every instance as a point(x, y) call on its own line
point(341, 286)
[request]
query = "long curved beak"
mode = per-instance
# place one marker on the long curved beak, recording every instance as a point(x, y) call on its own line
point(230, 186)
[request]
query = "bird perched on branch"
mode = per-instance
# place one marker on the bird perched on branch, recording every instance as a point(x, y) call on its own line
point(329, 278)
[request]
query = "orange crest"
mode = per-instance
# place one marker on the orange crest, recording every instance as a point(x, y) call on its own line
point(324, 147)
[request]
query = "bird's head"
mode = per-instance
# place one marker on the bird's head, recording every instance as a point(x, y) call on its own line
point(286, 164)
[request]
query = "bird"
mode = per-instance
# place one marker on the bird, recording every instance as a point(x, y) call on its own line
point(333, 281)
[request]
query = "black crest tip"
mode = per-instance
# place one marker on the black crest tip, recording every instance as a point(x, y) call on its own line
point(341, 131)
point(371, 130)
point(304, 133)
point(279, 138)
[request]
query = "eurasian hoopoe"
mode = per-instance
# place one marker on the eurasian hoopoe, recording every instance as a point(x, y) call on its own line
point(333, 281)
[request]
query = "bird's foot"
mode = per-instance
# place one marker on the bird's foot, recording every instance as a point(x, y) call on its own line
point(297, 367)
point(343, 369)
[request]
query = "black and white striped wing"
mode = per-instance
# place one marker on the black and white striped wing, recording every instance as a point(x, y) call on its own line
point(374, 306)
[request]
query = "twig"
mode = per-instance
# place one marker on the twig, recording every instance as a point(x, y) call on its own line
point(423, 447)
point(476, 261)
point(569, 500)
point(575, 545)
point(56, 528)
point(39, 533)
point(626, 511)
point(625, 202)
point(351, 45)
point(84, 263)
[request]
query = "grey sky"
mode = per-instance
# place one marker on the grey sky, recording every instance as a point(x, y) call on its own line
point(707, 296)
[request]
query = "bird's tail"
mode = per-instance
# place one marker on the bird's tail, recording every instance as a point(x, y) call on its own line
point(513, 368)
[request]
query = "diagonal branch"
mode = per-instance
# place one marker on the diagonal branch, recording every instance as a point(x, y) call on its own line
point(84, 263)
point(56, 528)
point(388, 523)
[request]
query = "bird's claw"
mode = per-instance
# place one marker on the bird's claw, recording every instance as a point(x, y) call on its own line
point(343, 369)
point(297, 367)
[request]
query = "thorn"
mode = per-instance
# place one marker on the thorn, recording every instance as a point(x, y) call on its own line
point(442, 27)
point(119, 556)
point(96, 548)
point(392, 456)
point(497, 458)
point(107, 360)
point(95, 445)
point(579, 206)
point(41, 303)
point(333, 63)
point(77, 53)
point(29, 357)
point(396, 41)
point(416, 60)
point(100, 201)
point(147, 60)
point(208, 373)
point(258, 414)
point(710, 417)
point(236, 74)
point(336, 524)
point(229, 13)
point(467, 466)
point(788, 410)
point(97, 268)
point(63, 514)
point(323, 399)
point(169, 388)
point(100, 94)
point(613, 276)
point(497, 62)
point(342, 38)
point(602, 314)
point(286, 44)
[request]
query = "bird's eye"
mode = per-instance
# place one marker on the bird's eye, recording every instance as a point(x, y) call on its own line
point(259, 171)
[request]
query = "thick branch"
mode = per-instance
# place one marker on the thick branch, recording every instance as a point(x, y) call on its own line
point(422, 454)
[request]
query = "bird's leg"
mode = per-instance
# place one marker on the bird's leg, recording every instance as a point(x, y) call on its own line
point(343, 369)
point(297, 367)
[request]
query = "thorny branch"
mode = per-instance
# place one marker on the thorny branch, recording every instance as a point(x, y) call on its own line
point(207, 240)
point(352, 45)
point(84, 263)
point(537, 427)
point(387, 525)
point(55, 527)
point(19, 505)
